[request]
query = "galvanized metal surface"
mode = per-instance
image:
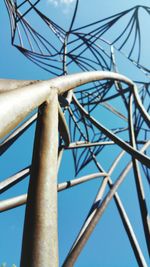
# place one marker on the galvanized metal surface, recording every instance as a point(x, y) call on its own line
point(83, 48)
point(18, 103)
point(40, 238)
point(40, 231)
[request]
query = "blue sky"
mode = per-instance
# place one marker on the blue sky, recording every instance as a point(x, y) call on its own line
point(108, 245)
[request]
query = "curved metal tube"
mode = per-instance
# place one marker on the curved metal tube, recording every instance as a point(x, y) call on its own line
point(13, 111)
point(15, 105)
point(12, 84)
point(133, 152)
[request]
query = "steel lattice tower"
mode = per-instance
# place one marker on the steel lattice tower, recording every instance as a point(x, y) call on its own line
point(69, 118)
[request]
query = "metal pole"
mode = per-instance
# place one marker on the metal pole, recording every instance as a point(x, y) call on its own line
point(40, 241)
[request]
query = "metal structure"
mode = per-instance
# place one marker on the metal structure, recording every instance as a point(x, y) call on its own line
point(69, 117)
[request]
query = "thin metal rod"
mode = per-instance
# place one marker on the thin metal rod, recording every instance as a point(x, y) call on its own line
point(60, 155)
point(77, 181)
point(64, 131)
point(12, 203)
point(129, 230)
point(22, 199)
point(93, 208)
point(142, 109)
point(72, 257)
point(12, 180)
point(63, 127)
point(129, 149)
point(138, 182)
point(74, 15)
point(8, 141)
point(118, 85)
point(40, 240)
point(114, 111)
point(134, 243)
point(82, 144)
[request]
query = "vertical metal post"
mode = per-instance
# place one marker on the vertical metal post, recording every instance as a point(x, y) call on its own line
point(40, 241)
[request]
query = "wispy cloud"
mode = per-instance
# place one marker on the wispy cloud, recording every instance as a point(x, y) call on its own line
point(61, 2)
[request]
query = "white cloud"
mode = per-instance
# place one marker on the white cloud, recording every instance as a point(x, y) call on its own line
point(61, 2)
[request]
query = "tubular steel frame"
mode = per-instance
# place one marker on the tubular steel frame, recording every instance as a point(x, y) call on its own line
point(65, 121)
